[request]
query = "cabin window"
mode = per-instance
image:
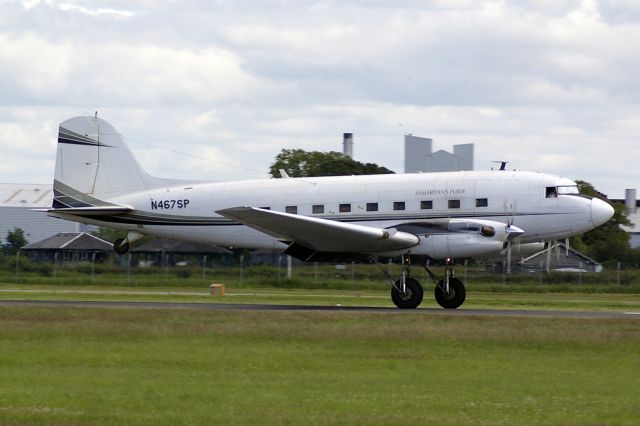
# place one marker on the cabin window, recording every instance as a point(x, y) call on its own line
point(372, 207)
point(317, 209)
point(551, 192)
point(398, 205)
point(291, 209)
point(344, 208)
point(426, 204)
point(482, 202)
point(265, 208)
point(454, 204)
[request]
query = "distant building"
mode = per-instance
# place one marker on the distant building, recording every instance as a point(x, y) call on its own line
point(164, 251)
point(561, 258)
point(69, 247)
point(419, 156)
point(347, 144)
point(633, 212)
point(17, 202)
point(416, 151)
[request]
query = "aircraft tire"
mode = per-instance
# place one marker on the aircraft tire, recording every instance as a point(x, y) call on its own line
point(456, 296)
point(121, 246)
point(412, 298)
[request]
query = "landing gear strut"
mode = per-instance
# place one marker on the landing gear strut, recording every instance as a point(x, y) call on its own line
point(450, 292)
point(407, 293)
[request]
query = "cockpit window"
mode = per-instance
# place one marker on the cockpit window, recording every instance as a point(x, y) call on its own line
point(568, 189)
point(554, 191)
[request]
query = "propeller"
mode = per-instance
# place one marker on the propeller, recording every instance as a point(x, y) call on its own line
point(512, 232)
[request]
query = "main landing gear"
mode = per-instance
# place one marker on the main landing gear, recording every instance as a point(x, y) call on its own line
point(407, 293)
point(450, 291)
point(121, 245)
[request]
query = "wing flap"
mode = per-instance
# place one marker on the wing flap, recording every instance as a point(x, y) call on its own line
point(321, 234)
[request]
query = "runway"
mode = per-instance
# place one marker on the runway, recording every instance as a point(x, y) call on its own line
point(267, 307)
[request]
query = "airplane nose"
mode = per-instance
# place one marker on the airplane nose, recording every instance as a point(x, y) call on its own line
point(600, 211)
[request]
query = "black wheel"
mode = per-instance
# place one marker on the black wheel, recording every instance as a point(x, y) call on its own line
point(411, 298)
point(454, 298)
point(121, 246)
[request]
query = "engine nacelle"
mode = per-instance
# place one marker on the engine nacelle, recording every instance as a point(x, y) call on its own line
point(443, 246)
point(445, 238)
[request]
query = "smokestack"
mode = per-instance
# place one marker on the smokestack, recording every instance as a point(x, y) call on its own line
point(630, 200)
point(347, 144)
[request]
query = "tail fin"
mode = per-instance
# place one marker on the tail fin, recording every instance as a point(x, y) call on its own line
point(93, 163)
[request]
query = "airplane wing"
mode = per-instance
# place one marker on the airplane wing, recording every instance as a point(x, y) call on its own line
point(321, 235)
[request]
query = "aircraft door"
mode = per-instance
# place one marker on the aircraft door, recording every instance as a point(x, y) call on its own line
point(510, 207)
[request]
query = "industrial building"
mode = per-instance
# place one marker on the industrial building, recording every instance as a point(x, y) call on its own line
point(347, 144)
point(419, 156)
point(17, 201)
point(633, 213)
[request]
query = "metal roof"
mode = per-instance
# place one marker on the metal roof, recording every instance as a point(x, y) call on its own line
point(71, 241)
point(31, 195)
point(159, 245)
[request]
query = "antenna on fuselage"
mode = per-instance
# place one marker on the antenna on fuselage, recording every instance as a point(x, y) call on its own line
point(283, 174)
point(503, 164)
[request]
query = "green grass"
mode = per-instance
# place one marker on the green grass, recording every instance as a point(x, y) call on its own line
point(308, 276)
point(475, 300)
point(124, 366)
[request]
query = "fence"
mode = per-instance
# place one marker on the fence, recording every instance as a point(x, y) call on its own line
point(477, 276)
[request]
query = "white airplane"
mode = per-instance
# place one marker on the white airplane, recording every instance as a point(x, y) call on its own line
point(414, 216)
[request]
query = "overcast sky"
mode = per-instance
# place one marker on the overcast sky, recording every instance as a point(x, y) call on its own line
point(548, 85)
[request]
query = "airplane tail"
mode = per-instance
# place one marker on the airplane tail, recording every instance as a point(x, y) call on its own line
point(94, 164)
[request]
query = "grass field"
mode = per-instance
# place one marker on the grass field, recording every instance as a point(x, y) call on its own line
point(309, 276)
point(120, 366)
point(476, 300)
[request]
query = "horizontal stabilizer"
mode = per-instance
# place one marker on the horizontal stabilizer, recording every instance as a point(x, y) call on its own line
point(321, 234)
point(90, 211)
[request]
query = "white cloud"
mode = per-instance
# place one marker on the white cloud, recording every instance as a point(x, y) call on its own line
point(33, 65)
point(544, 84)
point(79, 8)
point(118, 73)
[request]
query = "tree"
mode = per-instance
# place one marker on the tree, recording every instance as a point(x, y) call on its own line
point(608, 242)
point(15, 241)
point(301, 163)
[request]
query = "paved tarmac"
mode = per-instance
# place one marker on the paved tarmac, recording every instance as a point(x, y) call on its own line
point(265, 307)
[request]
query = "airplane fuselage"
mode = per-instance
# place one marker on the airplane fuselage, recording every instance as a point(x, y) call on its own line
point(546, 207)
point(450, 215)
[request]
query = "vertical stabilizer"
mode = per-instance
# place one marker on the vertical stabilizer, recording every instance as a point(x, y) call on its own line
point(93, 163)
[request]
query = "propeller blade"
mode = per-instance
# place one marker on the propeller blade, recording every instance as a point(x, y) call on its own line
point(513, 231)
